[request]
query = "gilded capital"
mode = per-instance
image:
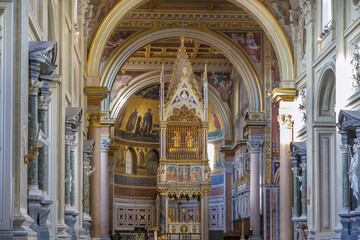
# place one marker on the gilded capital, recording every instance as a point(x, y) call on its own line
point(94, 119)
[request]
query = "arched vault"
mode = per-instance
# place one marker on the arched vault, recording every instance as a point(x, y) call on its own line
point(254, 7)
point(230, 50)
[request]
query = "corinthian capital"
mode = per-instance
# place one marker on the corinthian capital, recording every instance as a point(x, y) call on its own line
point(285, 120)
point(94, 119)
point(105, 144)
point(255, 146)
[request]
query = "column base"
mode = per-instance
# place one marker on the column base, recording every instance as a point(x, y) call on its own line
point(70, 220)
point(86, 224)
point(43, 215)
point(34, 202)
point(61, 231)
point(20, 230)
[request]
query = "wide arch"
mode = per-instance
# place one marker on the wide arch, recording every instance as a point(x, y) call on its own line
point(139, 83)
point(230, 50)
point(254, 7)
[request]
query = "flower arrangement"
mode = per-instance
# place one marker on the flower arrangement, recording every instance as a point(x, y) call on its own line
point(139, 236)
point(155, 228)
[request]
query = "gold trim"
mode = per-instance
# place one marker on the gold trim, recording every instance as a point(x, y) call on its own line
point(283, 94)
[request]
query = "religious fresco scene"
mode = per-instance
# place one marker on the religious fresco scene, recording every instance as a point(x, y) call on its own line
point(180, 119)
point(139, 118)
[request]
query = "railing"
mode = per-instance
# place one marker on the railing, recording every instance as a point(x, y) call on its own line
point(179, 236)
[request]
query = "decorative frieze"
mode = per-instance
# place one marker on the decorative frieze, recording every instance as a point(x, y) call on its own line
point(356, 67)
point(302, 104)
point(308, 9)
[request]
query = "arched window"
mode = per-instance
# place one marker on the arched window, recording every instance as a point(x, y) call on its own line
point(129, 161)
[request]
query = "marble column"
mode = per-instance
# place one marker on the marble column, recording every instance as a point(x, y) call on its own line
point(228, 171)
point(95, 177)
point(162, 212)
point(73, 117)
point(88, 147)
point(44, 101)
point(255, 149)
point(304, 187)
point(205, 221)
point(295, 196)
point(105, 144)
point(34, 196)
point(286, 225)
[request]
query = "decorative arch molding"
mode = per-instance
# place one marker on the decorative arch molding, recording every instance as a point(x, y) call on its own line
point(326, 96)
point(233, 52)
point(255, 8)
point(139, 83)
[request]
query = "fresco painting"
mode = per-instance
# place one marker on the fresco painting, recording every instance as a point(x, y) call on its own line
point(196, 174)
point(171, 175)
point(279, 9)
point(251, 43)
point(116, 38)
point(138, 120)
point(122, 79)
point(184, 173)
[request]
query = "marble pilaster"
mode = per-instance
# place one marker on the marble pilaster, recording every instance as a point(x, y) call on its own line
point(286, 201)
point(255, 149)
point(73, 117)
point(205, 222)
point(88, 148)
point(304, 187)
point(228, 171)
point(105, 144)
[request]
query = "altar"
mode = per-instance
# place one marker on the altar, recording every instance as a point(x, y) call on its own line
point(183, 171)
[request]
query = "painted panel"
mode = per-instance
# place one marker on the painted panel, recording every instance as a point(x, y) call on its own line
point(171, 174)
point(196, 174)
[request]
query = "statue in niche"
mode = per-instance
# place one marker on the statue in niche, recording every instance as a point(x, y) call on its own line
point(162, 173)
point(189, 140)
point(353, 171)
point(207, 174)
point(177, 139)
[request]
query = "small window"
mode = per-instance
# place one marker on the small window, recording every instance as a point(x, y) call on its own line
point(327, 15)
point(129, 160)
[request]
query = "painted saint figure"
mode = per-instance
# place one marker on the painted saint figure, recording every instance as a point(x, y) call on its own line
point(131, 122)
point(137, 129)
point(147, 123)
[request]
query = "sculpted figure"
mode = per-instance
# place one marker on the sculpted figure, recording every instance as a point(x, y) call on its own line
point(353, 170)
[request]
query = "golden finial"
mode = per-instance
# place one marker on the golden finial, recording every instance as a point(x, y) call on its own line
point(182, 38)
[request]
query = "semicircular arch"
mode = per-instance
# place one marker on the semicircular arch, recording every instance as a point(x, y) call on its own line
point(255, 8)
point(237, 57)
point(138, 83)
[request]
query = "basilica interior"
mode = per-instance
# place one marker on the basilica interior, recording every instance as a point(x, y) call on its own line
point(179, 119)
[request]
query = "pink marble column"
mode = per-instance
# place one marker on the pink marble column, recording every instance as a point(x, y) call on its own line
point(286, 225)
point(95, 177)
point(255, 147)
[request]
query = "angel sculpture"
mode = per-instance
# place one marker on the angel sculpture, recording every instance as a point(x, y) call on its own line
point(353, 170)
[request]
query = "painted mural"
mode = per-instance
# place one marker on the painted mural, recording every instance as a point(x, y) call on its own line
point(122, 79)
point(251, 43)
point(275, 70)
point(138, 119)
point(215, 129)
point(196, 174)
point(171, 175)
point(116, 38)
point(279, 9)
point(184, 173)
